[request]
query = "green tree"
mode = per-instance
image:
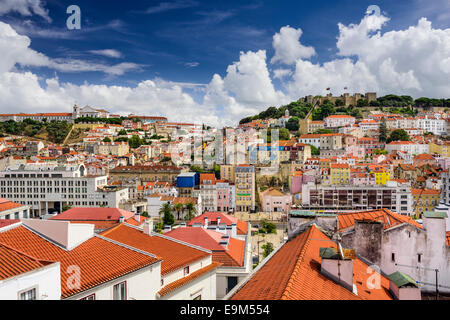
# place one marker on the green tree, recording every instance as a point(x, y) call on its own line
point(314, 151)
point(284, 134)
point(268, 248)
point(293, 124)
point(122, 132)
point(107, 139)
point(165, 209)
point(398, 135)
point(191, 211)
point(268, 227)
point(168, 218)
point(135, 142)
point(362, 103)
point(383, 130)
point(178, 207)
point(145, 214)
point(323, 131)
point(339, 103)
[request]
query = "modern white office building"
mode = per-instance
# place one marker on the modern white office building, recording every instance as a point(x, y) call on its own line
point(47, 188)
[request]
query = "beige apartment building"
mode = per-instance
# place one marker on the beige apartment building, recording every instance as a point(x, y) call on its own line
point(112, 148)
point(227, 172)
point(245, 187)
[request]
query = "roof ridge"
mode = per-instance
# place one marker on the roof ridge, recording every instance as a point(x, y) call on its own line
point(25, 254)
point(287, 289)
point(181, 242)
point(128, 247)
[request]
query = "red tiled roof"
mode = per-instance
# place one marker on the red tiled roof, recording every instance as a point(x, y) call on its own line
point(175, 255)
point(231, 256)
point(14, 263)
point(448, 238)
point(7, 222)
point(425, 192)
point(6, 204)
point(99, 260)
point(293, 273)
point(181, 282)
point(389, 218)
point(224, 219)
point(95, 214)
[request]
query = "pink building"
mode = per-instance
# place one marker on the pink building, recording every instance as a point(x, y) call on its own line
point(273, 200)
point(225, 193)
point(298, 179)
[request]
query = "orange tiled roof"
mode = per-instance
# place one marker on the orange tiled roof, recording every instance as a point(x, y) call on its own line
point(224, 218)
point(231, 256)
point(389, 218)
point(14, 263)
point(293, 273)
point(425, 192)
point(6, 204)
point(181, 282)
point(174, 254)
point(448, 238)
point(99, 260)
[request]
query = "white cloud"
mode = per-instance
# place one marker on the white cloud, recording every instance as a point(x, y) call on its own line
point(111, 53)
point(249, 80)
point(281, 73)
point(412, 62)
point(25, 8)
point(288, 48)
point(15, 50)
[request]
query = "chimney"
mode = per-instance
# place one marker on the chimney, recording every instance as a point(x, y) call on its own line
point(148, 227)
point(206, 222)
point(137, 216)
point(337, 264)
point(233, 230)
point(122, 219)
point(403, 287)
point(218, 220)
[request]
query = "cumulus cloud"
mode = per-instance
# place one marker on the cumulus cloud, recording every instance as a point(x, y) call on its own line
point(25, 8)
point(288, 47)
point(414, 61)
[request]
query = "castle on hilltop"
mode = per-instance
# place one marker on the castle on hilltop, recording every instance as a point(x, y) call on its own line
point(346, 98)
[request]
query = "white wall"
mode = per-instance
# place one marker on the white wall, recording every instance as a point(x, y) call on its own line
point(47, 281)
point(407, 242)
point(141, 285)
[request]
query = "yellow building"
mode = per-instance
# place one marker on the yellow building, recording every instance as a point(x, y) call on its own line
point(442, 149)
point(381, 177)
point(339, 173)
point(424, 200)
point(245, 187)
point(227, 172)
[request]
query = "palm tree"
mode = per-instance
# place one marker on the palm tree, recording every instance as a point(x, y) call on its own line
point(165, 209)
point(191, 211)
point(178, 207)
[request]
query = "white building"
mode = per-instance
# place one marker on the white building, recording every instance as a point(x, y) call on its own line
point(11, 210)
point(337, 120)
point(407, 146)
point(49, 187)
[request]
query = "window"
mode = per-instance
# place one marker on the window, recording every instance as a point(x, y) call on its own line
point(119, 291)
point(419, 257)
point(162, 282)
point(28, 294)
point(186, 271)
point(90, 297)
point(393, 257)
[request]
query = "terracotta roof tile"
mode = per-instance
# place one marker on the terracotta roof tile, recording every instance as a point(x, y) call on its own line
point(293, 273)
point(99, 260)
point(174, 254)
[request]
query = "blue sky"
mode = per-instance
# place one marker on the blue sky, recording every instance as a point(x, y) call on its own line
point(188, 41)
